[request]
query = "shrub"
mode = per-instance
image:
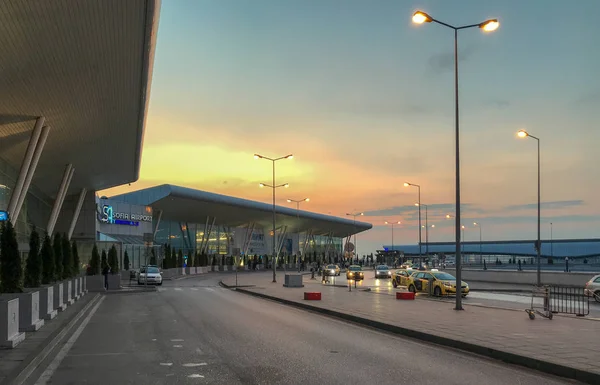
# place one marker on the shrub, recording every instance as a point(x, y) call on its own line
point(76, 262)
point(47, 261)
point(180, 258)
point(126, 261)
point(103, 261)
point(67, 258)
point(58, 257)
point(113, 260)
point(95, 261)
point(33, 269)
point(11, 271)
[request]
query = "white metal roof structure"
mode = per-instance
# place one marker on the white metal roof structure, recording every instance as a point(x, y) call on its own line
point(86, 66)
point(194, 206)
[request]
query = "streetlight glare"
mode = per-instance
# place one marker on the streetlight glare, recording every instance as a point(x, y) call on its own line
point(286, 185)
point(290, 156)
point(420, 17)
point(448, 216)
point(522, 134)
point(362, 213)
point(416, 204)
point(474, 223)
point(406, 184)
point(307, 199)
point(256, 156)
point(289, 200)
point(463, 227)
point(261, 185)
point(490, 25)
point(432, 226)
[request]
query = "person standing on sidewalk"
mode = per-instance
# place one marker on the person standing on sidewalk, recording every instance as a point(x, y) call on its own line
point(105, 272)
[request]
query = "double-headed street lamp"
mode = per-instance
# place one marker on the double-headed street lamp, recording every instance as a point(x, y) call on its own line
point(426, 228)
point(477, 224)
point(538, 244)
point(297, 202)
point(420, 17)
point(392, 224)
point(354, 215)
point(406, 184)
point(274, 187)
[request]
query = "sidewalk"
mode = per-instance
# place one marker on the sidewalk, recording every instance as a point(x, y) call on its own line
point(563, 346)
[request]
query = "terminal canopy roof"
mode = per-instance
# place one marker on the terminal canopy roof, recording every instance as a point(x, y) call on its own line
point(86, 67)
point(193, 206)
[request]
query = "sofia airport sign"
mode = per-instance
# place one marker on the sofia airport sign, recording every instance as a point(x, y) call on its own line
point(106, 214)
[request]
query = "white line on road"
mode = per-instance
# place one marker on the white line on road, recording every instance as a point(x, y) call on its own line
point(177, 346)
point(178, 289)
point(177, 340)
point(195, 376)
point(166, 363)
point(65, 349)
point(194, 365)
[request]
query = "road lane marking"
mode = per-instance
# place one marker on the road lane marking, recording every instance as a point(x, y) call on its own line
point(194, 365)
point(195, 376)
point(177, 346)
point(178, 289)
point(33, 365)
point(210, 289)
point(166, 363)
point(67, 346)
point(177, 340)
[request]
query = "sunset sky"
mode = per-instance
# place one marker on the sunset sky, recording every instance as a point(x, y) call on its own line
point(363, 98)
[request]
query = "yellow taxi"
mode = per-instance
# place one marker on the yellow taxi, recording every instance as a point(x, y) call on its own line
point(332, 270)
point(443, 283)
point(400, 277)
point(355, 272)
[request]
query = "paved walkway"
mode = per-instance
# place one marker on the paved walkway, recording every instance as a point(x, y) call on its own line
point(565, 341)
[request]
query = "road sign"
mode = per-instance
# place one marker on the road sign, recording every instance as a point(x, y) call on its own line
point(349, 247)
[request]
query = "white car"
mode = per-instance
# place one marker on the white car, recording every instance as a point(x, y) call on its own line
point(154, 276)
point(592, 288)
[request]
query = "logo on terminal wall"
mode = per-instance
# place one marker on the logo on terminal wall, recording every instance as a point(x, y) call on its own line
point(105, 214)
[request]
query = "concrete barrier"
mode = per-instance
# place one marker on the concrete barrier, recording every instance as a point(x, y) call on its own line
point(75, 289)
point(9, 324)
point(58, 296)
point(528, 277)
point(47, 310)
point(29, 309)
point(293, 280)
point(68, 292)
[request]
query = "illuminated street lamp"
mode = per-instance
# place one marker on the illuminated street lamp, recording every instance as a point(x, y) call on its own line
point(274, 187)
point(477, 224)
point(538, 244)
point(297, 202)
point(354, 215)
point(490, 25)
point(406, 184)
point(392, 224)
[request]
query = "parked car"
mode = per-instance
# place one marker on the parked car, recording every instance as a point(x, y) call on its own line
point(592, 287)
point(151, 274)
point(400, 277)
point(443, 283)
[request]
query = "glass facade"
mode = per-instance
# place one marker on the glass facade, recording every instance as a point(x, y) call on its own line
point(36, 206)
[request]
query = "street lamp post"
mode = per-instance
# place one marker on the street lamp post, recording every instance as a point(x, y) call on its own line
point(420, 17)
point(426, 228)
point(392, 224)
point(480, 242)
point(406, 184)
point(297, 202)
point(354, 215)
point(274, 187)
point(551, 242)
point(538, 245)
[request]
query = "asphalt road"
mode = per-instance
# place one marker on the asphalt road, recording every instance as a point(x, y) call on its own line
point(200, 333)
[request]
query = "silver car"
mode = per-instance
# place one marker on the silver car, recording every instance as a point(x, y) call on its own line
point(383, 271)
point(592, 288)
point(153, 275)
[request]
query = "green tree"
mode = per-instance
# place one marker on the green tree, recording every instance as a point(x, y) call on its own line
point(113, 260)
point(126, 261)
point(180, 258)
point(167, 256)
point(47, 261)
point(76, 262)
point(67, 258)
point(95, 261)
point(58, 257)
point(196, 259)
point(33, 269)
point(11, 271)
point(103, 262)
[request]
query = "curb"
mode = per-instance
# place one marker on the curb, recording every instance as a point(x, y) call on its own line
point(132, 291)
point(511, 358)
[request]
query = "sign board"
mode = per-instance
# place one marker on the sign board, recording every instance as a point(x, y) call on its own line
point(106, 214)
point(3, 216)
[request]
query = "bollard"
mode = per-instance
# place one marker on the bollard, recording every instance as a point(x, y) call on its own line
point(312, 273)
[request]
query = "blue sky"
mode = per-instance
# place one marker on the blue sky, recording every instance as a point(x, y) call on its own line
point(364, 100)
